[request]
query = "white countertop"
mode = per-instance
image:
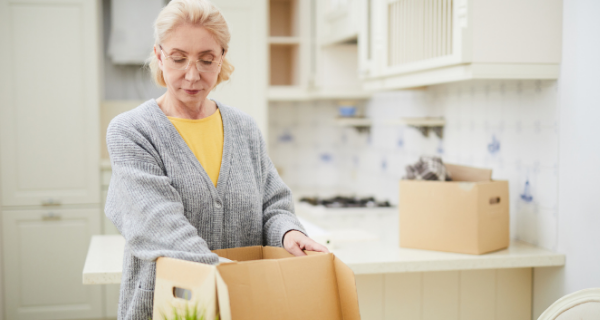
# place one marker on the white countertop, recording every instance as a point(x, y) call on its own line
point(105, 259)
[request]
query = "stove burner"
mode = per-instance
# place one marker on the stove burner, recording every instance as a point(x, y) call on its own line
point(345, 202)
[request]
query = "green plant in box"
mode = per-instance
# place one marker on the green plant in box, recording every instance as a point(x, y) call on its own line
point(188, 314)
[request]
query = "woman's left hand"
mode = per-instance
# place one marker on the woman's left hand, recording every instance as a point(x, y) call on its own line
point(295, 241)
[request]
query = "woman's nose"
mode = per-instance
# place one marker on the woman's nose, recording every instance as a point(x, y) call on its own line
point(192, 74)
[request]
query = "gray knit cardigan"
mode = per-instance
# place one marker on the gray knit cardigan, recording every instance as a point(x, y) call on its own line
point(165, 205)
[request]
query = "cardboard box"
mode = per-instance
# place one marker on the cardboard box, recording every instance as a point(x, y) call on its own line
point(264, 283)
point(467, 215)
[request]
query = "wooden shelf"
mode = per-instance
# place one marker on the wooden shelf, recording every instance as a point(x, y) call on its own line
point(284, 40)
point(424, 125)
point(418, 122)
point(283, 18)
point(283, 65)
point(353, 122)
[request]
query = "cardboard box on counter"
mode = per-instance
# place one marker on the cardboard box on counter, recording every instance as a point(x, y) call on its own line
point(467, 215)
point(263, 283)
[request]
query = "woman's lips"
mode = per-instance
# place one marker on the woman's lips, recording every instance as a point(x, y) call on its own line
point(191, 92)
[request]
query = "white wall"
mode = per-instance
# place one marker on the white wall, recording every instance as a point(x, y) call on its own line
point(579, 89)
point(579, 156)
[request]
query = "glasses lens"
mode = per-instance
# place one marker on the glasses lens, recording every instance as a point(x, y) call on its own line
point(177, 62)
point(207, 66)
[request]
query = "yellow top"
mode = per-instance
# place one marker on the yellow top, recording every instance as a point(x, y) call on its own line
point(205, 139)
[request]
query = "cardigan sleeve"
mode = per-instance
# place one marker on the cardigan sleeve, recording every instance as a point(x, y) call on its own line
point(144, 206)
point(278, 205)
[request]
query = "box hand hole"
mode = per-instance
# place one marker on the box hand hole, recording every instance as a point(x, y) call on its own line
point(182, 293)
point(494, 200)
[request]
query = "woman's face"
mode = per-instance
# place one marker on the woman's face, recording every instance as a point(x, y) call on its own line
point(192, 42)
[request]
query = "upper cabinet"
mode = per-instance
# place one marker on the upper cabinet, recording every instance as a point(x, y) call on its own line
point(290, 46)
point(412, 43)
point(49, 102)
point(313, 50)
point(338, 21)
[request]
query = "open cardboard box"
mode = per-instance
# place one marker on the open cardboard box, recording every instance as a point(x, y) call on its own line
point(469, 214)
point(263, 283)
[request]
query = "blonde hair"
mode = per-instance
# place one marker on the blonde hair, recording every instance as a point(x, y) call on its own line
point(196, 12)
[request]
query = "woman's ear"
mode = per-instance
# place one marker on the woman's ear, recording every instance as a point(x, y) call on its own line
point(157, 54)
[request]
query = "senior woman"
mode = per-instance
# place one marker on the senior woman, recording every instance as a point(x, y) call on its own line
point(190, 174)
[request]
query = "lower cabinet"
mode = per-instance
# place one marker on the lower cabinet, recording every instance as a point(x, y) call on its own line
point(501, 294)
point(44, 253)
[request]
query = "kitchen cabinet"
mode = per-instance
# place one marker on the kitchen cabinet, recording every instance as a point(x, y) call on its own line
point(408, 43)
point(290, 46)
point(44, 253)
point(339, 21)
point(49, 102)
point(502, 294)
point(49, 154)
point(313, 52)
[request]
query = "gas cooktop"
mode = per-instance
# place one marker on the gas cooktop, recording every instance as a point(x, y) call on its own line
point(345, 202)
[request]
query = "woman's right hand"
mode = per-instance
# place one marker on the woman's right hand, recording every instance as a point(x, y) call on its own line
point(295, 242)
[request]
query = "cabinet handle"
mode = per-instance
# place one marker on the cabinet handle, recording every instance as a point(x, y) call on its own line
point(50, 202)
point(50, 216)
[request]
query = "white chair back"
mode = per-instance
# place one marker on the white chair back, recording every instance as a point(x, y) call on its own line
point(580, 305)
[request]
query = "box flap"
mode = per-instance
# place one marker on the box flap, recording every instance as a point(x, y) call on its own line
point(295, 288)
point(256, 290)
point(347, 290)
point(464, 173)
point(276, 253)
point(223, 298)
point(311, 281)
point(281, 253)
point(198, 281)
point(242, 253)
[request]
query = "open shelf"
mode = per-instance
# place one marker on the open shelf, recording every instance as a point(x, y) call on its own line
point(284, 43)
point(284, 40)
point(424, 125)
point(418, 122)
point(353, 122)
point(283, 70)
point(283, 18)
point(361, 124)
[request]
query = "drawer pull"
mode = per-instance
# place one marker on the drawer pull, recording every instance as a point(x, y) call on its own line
point(49, 216)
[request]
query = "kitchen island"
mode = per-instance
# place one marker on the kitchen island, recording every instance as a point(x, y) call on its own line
point(396, 282)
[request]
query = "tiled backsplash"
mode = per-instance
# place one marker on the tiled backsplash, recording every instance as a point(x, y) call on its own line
point(509, 126)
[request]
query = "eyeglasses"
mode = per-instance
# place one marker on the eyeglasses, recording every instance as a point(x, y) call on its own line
point(180, 62)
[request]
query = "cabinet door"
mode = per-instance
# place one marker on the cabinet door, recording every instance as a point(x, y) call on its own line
point(337, 20)
point(366, 43)
point(247, 88)
point(420, 35)
point(49, 102)
point(44, 254)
